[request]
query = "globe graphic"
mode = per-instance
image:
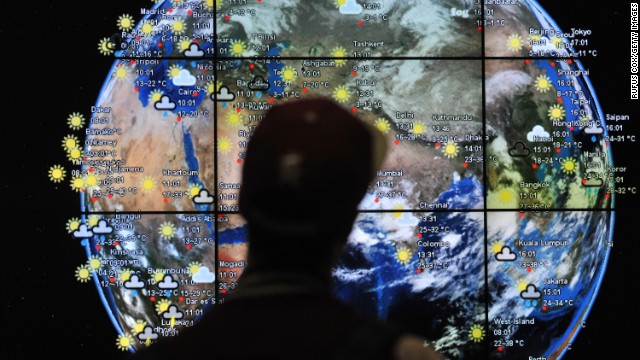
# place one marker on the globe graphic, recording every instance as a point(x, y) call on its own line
point(487, 228)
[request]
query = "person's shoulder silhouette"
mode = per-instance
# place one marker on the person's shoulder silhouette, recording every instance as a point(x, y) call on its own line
point(308, 165)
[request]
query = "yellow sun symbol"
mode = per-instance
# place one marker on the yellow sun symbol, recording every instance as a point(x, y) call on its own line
point(72, 224)
point(496, 246)
point(138, 327)
point(194, 189)
point(77, 183)
point(83, 273)
point(184, 44)
point(93, 220)
point(121, 73)
point(209, 4)
point(339, 52)
point(289, 73)
point(91, 180)
point(382, 125)
point(94, 263)
point(397, 214)
point(556, 41)
point(556, 112)
point(522, 284)
point(147, 27)
point(124, 342)
point(514, 42)
point(340, 3)
point(535, 38)
point(213, 87)
point(147, 184)
point(194, 267)
point(155, 96)
point(341, 94)
point(179, 27)
point(543, 83)
point(158, 275)
point(234, 119)
point(124, 274)
point(476, 333)
point(503, 198)
point(70, 142)
point(75, 121)
point(403, 255)
point(57, 173)
point(75, 155)
point(419, 128)
point(568, 165)
point(162, 306)
point(167, 230)
point(125, 22)
point(450, 149)
point(224, 145)
point(238, 47)
point(506, 196)
point(173, 71)
point(106, 46)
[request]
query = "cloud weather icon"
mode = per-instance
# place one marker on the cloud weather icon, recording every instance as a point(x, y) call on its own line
point(148, 334)
point(173, 313)
point(82, 232)
point(351, 7)
point(591, 180)
point(165, 103)
point(193, 51)
point(204, 275)
point(203, 197)
point(537, 133)
point(184, 78)
point(531, 293)
point(506, 254)
point(519, 150)
point(168, 283)
point(134, 282)
point(223, 95)
point(593, 129)
point(102, 228)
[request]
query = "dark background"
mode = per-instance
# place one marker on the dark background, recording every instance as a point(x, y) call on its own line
point(52, 68)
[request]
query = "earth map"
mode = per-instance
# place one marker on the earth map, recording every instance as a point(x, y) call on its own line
point(485, 230)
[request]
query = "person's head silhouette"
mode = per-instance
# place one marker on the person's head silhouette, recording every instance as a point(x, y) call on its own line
point(307, 167)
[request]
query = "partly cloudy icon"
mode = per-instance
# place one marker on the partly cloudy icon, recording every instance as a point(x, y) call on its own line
point(593, 128)
point(506, 254)
point(102, 228)
point(203, 197)
point(193, 51)
point(204, 275)
point(351, 7)
point(407, 220)
point(531, 293)
point(537, 134)
point(82, 232)
point(165, 103)
point(168, 283)
point(591, 180)
point(133, 282)
point(223, 95)
point(184, 78)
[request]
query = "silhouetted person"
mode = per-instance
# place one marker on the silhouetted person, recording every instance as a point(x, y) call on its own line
point(308, 165)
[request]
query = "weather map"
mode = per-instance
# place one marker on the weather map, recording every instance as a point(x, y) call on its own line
point(488, 227)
